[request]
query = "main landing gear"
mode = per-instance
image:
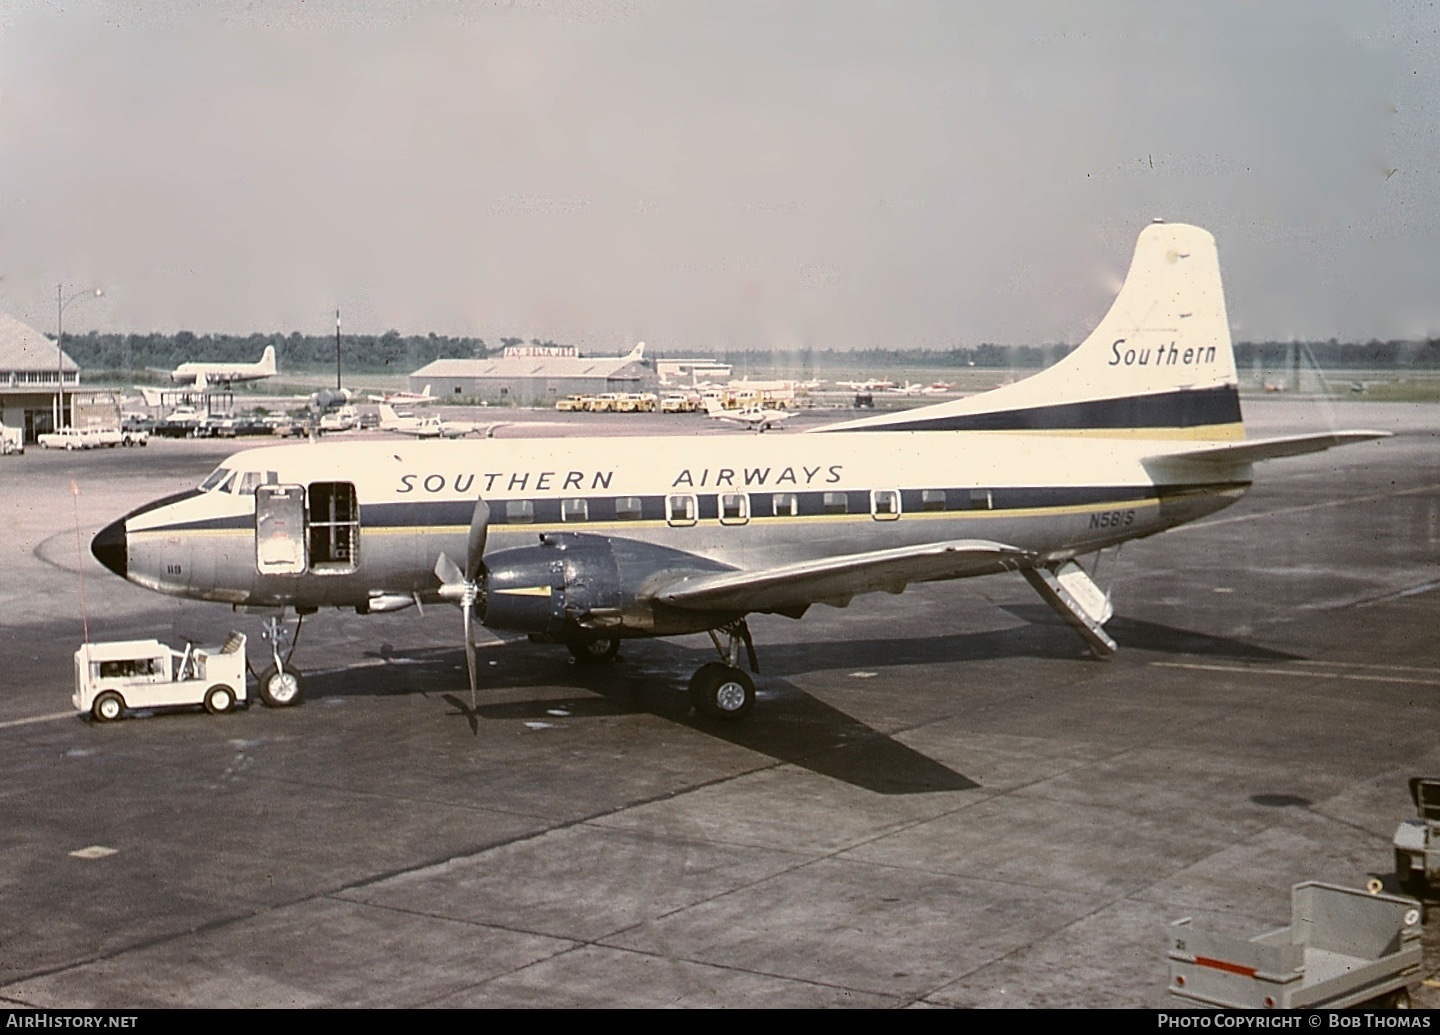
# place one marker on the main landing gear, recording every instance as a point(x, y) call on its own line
point(721, 689)
point(280, 684)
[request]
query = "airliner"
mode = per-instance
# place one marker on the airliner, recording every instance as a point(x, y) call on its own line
point(588, 541)
point(203, 375)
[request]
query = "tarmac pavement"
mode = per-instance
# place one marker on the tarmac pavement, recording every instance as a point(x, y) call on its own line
point(939, 800)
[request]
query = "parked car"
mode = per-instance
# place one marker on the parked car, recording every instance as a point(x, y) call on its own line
point(66, 438)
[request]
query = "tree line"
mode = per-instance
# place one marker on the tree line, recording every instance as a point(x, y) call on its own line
point(393, 352)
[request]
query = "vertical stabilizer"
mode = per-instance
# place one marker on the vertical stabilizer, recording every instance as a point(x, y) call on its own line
point(1159, 365)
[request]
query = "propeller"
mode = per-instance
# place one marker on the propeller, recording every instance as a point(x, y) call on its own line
point(463, 587)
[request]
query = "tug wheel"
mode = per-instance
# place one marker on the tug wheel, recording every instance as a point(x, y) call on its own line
point(219, 699)
point(108, 707)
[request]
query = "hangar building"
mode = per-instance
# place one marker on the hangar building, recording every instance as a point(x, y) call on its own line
point(536, 376)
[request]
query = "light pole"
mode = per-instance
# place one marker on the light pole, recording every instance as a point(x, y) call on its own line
point(61, 303)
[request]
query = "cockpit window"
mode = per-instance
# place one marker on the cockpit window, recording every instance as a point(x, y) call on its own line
point(247, 483)
point(217, 478)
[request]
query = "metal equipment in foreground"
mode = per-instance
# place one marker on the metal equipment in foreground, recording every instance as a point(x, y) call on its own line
point(1343, 948)
point(122, 674)
point(1417, 841)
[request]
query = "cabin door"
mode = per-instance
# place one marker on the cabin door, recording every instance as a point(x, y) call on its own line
point(280, 529)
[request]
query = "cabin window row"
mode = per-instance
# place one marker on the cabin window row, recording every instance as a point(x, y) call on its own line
point(739, 507)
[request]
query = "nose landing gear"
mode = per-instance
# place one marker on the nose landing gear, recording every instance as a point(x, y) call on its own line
point(280, 684)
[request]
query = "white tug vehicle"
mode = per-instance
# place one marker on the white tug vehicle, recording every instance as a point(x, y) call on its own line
point(113, 677)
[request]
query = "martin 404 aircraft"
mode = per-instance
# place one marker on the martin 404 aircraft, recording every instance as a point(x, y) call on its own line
point(586, 541)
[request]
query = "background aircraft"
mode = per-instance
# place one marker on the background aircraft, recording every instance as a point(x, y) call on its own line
point(423, 427)
point(202, 375)
point(757, 418)
point(404, 398)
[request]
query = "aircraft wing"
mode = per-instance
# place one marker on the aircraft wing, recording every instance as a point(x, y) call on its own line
point(834, 580)
point(1252, 450)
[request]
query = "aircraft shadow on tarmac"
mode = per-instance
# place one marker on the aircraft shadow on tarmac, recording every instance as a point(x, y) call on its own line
point(790, 725)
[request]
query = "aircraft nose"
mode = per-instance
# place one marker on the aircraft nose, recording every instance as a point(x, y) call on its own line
point(108, 546)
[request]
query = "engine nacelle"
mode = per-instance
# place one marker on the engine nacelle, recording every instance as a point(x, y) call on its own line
point(540, 589)
point(572, 581)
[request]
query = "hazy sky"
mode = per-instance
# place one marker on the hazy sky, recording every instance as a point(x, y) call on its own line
point(701, 174)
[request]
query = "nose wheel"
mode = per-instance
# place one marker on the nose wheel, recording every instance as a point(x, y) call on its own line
point(281, 685)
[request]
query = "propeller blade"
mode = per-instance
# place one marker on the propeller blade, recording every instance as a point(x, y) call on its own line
point(475, 554)
point(470, 649)
point(448, 572)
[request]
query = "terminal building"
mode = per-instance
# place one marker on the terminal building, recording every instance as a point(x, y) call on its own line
point(31, 368)
point(535, 376)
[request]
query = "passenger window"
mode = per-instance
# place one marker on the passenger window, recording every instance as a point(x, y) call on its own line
point(980, 499)
point(734, 508)
point(836, 503)
point(680, 510)
point(786, 504)
point(627, 508)
point(932, 499)
point(574, 510)
point(885, 504)
point(519, 512)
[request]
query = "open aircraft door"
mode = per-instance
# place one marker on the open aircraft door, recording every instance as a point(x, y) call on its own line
point(280, 529)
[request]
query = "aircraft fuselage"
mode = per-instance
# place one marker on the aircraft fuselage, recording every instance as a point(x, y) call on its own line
point(363, 524)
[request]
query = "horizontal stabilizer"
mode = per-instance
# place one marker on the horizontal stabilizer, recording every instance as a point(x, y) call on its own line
point(837, 579)
point(1253, 450)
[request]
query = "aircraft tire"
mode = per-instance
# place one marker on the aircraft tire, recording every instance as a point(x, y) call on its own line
point(281, 688)
point(721, 692)
point(596, 651)
point(108, 707)
point(219, 699)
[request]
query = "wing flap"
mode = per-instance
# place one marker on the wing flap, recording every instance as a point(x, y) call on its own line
point(837, 579)
point(1252, 450)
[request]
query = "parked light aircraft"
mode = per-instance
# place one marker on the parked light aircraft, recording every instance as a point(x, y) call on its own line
point(404, 398)
point(587, 541)
point(423, 427)
point(203, 375)
point(757, 418)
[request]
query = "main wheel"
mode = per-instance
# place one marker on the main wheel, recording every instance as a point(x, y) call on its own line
point(596, 651)
point(219, 699)
point(108, 707)
point(720, 692)
point(282, 687)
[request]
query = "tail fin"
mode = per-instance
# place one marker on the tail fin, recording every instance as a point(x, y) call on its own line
point(267, 360)
point(387, 414)
point(1159, 365)
point(713, 407)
